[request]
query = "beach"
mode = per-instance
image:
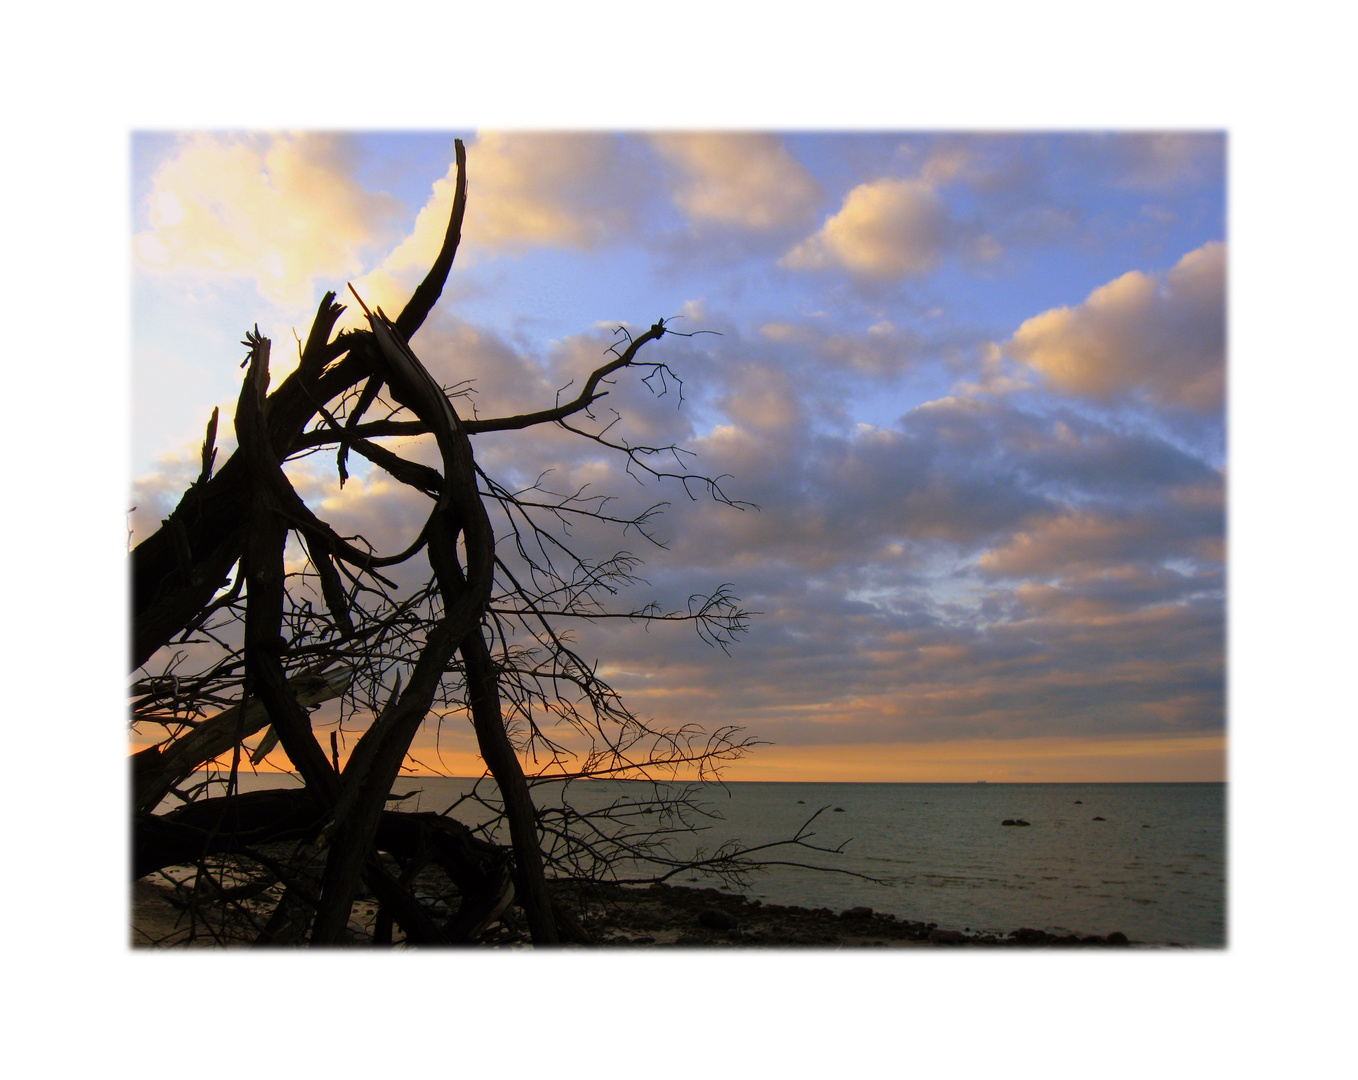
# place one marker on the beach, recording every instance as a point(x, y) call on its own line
point(1143, 860)
point(657, 916)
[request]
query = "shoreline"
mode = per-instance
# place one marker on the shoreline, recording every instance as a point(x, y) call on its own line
point(662, 914)
point(659, 916)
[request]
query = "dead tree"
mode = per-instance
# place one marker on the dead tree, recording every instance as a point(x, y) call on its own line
point(227, 644)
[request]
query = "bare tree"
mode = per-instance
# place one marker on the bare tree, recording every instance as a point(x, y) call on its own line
point(231, 652)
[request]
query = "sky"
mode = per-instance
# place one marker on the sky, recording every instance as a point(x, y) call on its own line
point(974, 384)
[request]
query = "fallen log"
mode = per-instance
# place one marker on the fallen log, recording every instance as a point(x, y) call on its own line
point(238, 824)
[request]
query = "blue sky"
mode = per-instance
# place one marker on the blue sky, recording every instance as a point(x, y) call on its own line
point(975, 384)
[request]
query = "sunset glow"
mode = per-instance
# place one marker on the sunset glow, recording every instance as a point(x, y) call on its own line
point(975, 385)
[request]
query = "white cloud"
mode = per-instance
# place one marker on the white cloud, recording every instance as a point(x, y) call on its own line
point(1164, 336)
point(746, 180)
point(885, 229)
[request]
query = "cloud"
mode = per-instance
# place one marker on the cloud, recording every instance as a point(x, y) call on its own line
point(1087, 462)
point(748, 181)
point(1004, 173)
point(155, 494)
point(1078, 540)
point(281, 210)
point(1162, 336)
point(974, 197)
point(831, 499)
point(974, 566)
point(500, 379)
point(974, 571)
point(764, 397)
point(881, 350)
point(886, 229)
point(552, 189)
point(1157, 160)
point(570, 190)
point(821, 666)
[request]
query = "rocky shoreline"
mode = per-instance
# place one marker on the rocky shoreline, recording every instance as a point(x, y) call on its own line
point(676, 915)
point(660, 916)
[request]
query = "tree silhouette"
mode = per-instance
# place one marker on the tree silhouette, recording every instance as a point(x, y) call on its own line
point(232, 650)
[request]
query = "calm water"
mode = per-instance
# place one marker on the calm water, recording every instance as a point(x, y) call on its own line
point(1155, 868)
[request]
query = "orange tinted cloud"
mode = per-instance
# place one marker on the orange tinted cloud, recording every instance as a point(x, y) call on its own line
point(1163, 335)
point(1190, 758)
point(885, 229)
point(1042, 760)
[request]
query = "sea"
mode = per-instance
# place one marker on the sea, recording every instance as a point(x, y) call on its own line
point(1148, 860)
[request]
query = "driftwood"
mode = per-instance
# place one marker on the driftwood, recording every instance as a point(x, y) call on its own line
point(155, 772)
point(241, 824)
point(450, 640)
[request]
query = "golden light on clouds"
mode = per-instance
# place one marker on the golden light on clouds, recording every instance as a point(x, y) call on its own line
point(279, 210)
point(1041, 760)
point(555, 189)
point(977, 518)
point(749, 180)
point(1167, 337)
point(886, 229)
point(1197, 758)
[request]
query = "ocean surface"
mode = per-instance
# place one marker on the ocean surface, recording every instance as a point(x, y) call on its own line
point(1153, 868)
